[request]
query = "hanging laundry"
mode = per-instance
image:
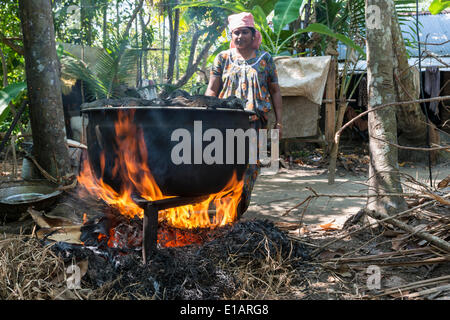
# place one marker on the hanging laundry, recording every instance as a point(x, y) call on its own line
point(432, 86)
point(363, 99)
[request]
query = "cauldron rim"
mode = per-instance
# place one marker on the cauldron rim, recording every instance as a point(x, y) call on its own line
point(249, 112)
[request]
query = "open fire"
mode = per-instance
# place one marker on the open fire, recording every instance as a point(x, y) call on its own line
point(131, 167)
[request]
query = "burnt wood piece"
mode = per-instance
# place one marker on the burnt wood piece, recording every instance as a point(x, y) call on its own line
point(150, 232)
point(150, 223)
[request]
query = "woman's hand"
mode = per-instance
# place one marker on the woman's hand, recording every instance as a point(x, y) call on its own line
point(278, 126)
point(275, 92)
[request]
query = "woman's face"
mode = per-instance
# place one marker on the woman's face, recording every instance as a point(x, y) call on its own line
point(242, 38)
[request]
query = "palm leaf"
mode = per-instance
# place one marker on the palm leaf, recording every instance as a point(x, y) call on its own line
point(115, 65)
point(323, 29)
point(77, 69)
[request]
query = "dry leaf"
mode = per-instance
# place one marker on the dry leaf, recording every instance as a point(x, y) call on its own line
point(70, 234)
point(398, 242)
point(327, 255)
point(303, 230)
point(83, 265)
point(38, 218)
point(328, 226)
point(444, 183)
point(44, 221)
point(438, 198)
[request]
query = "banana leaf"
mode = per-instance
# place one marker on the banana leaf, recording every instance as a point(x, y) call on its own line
point(285, 12)
point(8, 94)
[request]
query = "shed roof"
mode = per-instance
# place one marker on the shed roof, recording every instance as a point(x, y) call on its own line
point(432, 29)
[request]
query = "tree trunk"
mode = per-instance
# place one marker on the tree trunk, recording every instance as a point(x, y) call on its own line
point(105, 25)
point(384, 175)
point(412, 122)
point(117, 17)
point(86, 22)
point(174, 22)
point(136, 10)
point(144, 55)
point(44, 88)
point(4, 68)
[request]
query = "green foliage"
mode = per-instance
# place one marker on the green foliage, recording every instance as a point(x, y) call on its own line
point(8, 94)
point(437, 6)
point(285, 12)
point(115, 67)
point(10, 28)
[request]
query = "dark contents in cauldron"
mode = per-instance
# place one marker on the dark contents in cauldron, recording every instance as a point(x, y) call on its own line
point(178, 98)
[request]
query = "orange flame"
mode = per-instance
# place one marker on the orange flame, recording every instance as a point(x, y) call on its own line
point(135, 175)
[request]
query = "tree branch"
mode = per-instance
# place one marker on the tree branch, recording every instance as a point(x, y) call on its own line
point(401, 103)
point(410, 148)
point(133, 16)
point(5, 69)
point(192, 69)
point(7, 41)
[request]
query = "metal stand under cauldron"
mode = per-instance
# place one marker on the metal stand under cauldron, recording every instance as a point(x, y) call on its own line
point(150, 223)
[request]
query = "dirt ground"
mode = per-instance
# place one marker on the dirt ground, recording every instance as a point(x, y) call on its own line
point(349, 259)
point(274, 195)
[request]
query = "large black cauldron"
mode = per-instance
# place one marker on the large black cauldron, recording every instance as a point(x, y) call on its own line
point(157, 124)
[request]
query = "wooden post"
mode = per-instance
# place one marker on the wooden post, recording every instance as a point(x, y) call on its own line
point(330, 107)
point(335, 144)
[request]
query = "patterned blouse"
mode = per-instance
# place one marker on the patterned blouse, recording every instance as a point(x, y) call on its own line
point(246, 79)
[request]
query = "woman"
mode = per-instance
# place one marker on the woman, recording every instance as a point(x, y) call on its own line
point(248, 73)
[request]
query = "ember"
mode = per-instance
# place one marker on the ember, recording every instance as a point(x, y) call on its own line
point(204, 271)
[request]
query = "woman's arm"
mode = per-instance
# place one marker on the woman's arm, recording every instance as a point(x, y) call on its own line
point(213, 86)
point(275, 93)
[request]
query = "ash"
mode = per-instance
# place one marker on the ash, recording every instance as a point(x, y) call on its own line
point(191, 272)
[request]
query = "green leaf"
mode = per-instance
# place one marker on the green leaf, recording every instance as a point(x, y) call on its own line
point(286, 11)
point(8, 94)
point(260, 17)
point(234, 7)
point(323, 29)
point(437, 6)
point(266, 5)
